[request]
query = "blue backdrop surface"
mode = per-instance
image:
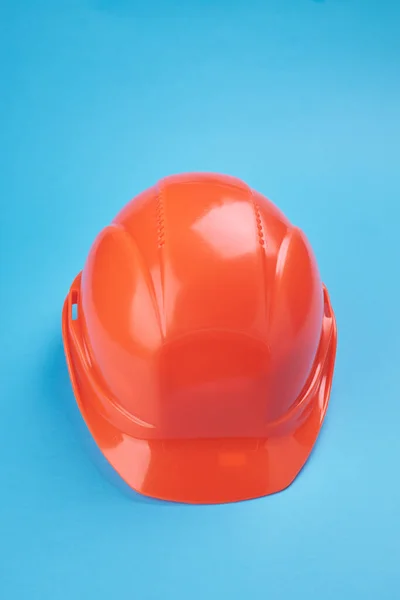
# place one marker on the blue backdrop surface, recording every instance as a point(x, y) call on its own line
point(98, 100)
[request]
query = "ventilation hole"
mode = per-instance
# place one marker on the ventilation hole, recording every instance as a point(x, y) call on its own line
point(327, 308)
point(160, 220)
point(74, 305)
point(260, 231)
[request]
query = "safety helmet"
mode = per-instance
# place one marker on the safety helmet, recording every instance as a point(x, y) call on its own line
point(203, 348)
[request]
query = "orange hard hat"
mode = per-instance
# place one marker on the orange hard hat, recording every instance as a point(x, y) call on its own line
point(203, 348)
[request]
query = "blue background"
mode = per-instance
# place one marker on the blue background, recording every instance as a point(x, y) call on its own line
point(98, 100)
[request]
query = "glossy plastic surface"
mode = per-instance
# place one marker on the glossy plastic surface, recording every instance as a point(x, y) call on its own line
point(203, 350)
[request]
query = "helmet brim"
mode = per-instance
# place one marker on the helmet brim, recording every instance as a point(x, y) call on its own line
point(205, 471)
